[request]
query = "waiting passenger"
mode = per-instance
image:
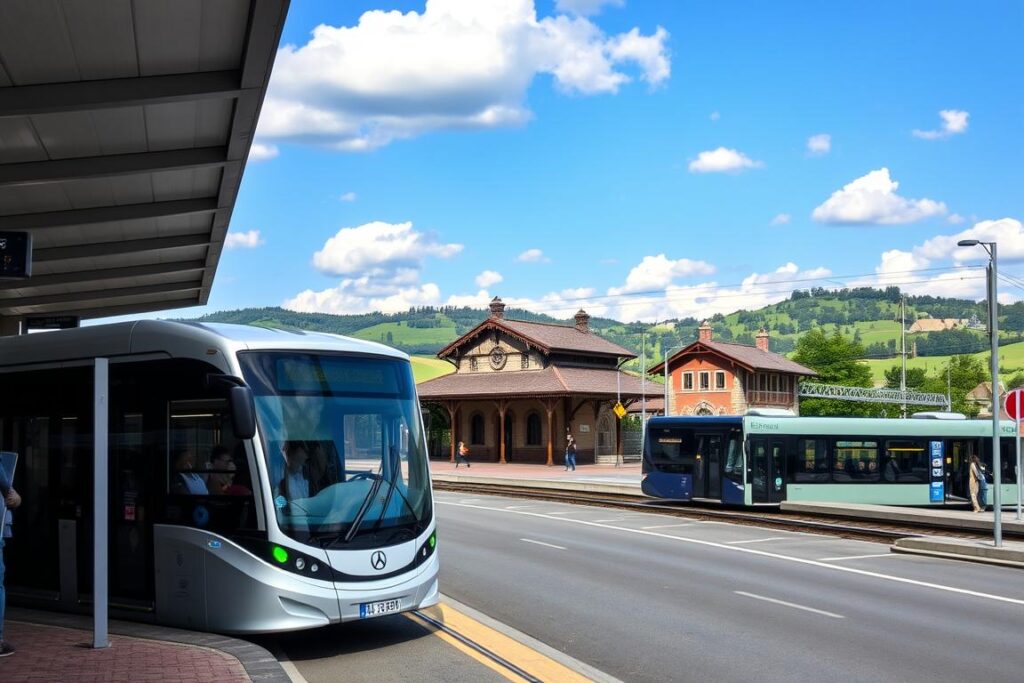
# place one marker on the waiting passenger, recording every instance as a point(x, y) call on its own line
point(294, 484)
point(187, 482)
point(892, 470)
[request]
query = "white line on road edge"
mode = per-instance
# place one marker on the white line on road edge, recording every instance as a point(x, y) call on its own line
point(613, 519)
point(759, 540)
point(752, 551)
point(853, 557)
point(546, 545)
point(668, 526)
point(290, 669)
point(516, 507)
point(566, 512)
point(790, 604)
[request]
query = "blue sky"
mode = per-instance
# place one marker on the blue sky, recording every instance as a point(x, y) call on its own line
point(654, 158)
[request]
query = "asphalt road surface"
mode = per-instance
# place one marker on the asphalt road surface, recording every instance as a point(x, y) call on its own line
point(647, 597)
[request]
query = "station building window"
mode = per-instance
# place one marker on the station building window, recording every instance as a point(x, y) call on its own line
point(719, 379)
point(533, 432)
point(705, 380)
point(687, 381)
point(476, 429)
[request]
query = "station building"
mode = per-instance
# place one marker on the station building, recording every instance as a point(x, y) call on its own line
point(520, 387)
point(711, 377)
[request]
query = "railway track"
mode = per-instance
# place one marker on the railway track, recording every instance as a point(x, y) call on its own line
point(878, 531)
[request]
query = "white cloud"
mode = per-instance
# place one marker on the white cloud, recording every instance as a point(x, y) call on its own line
point(954, 122)
point(533, 256)
point(715, 116)
point(658, 272)
point(378, 248)
point(459, 64)
point(261, 152)
point(348, 197)
point(955, 219)
point(782, 219)
point(586, 8)
point(488, 278)
point(819, 144)
point(350, 297)
point(722, 160)
point(243, 240)
point(1007, 233)
point(872, 199)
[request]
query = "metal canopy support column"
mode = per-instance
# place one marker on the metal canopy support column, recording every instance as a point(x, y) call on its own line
point(100, 481)
point(549, 406)
point(502, 409)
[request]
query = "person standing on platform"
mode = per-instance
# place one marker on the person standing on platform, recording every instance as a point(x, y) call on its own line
point(570, 454)
point(11, 500)
point(460, 455)
point(976, 477)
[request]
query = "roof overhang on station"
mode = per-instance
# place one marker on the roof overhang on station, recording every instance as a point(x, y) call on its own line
point(124, 130)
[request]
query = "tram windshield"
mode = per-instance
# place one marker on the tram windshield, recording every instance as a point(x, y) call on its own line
point(344, 446)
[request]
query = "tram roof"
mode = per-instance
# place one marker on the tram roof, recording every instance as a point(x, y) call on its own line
point(154, 336)
point(843, 426)
point(125, 127)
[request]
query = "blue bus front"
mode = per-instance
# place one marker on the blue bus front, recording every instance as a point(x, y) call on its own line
point(694, 457)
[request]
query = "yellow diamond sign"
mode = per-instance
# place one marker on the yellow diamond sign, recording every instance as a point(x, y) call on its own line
point(619, 410)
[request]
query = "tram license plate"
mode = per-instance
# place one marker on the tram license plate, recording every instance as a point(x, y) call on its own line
point(376, 609)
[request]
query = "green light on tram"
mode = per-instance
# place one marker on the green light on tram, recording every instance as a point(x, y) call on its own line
point(280, 554)
point(433, 539)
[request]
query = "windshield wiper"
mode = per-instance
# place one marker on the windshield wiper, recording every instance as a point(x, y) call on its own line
point(357, 522)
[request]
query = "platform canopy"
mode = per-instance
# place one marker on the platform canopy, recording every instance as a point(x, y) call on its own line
point(124, 130)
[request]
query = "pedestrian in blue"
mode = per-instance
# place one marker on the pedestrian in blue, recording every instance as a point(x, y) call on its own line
point(570, 454)
point(11, 500)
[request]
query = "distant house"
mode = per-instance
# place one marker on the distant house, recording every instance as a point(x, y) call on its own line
point(721, 378)
point(937, 324)
point(981, 396)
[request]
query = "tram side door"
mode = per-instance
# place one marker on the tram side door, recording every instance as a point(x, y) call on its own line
point(707, 472)
point(767, 473)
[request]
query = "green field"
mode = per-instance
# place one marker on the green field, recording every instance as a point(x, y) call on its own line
point(1011, 361)
point(428, 367)
point(402, 334)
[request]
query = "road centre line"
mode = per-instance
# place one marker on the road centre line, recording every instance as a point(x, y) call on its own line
point(511, 507)
point(790, 604)
point(759, 540)
point(761, 553)
point(668, 526)
point(853, 557)
point(564, 512)
point(546, 545)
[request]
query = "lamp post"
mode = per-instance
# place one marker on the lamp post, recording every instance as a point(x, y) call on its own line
point(993, 331)
point(667, 355)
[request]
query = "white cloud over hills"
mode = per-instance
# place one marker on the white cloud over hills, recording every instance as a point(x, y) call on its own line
point(954, 122)
point(722, 160)
point(819, 144)
point(872, 199)
point(460, 64)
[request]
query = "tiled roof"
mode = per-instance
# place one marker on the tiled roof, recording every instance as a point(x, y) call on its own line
point(548, 338)
point(748, 356)
point(552, 380)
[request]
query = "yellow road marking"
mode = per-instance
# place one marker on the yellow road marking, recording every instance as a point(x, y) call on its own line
point(526, 658)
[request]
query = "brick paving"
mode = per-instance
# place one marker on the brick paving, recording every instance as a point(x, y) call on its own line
point(52, 653)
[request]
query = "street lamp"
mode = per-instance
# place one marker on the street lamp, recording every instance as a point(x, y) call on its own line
point(993, 331)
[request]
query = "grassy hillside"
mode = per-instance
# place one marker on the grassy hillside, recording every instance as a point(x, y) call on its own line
point(424, 368)
point(1011, 361)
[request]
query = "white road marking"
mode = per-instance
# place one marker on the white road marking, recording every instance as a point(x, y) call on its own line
point(517, 507)
point(613, 519)
point(761, 553)
point(759, 540)
point(470, 500)
point(668, 526)
point(853, 557)
point(546, 545)
point(790, 604)
point(566, 512)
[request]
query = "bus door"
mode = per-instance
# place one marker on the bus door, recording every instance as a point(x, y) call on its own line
point(958, 459)
point(707, 470)
point(767, 472)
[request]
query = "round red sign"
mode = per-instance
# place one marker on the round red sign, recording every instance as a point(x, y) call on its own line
point(1013, 402)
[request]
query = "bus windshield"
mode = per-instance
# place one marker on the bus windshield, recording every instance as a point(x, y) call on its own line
point(344, 446)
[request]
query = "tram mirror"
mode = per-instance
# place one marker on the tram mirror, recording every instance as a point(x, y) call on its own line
point(243, 412)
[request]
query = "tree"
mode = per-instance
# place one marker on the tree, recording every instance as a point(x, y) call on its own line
point(915, 377)
point(965, 373)
point(836, 359)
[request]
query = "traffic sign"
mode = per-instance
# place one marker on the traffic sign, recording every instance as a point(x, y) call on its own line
point(619, 410)
point(1012, 403)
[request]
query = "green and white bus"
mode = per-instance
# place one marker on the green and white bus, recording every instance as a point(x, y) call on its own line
point(766, 459)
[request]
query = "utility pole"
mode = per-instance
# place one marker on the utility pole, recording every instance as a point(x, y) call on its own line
point(949, 388)
point(903, 349)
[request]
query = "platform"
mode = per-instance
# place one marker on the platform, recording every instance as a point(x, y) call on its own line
point(938, 516)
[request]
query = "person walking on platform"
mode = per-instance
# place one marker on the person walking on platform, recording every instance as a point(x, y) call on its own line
point(460, 455)
point(10, 500)
point(976, 477)
point(570, 454)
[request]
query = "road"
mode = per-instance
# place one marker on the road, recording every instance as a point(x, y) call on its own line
point(649, 597)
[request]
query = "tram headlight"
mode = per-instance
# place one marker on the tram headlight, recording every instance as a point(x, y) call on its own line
point(314, 567)
point(300, 563)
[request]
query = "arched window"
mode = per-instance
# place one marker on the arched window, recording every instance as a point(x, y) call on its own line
point(476, 429)
point(533, 429)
